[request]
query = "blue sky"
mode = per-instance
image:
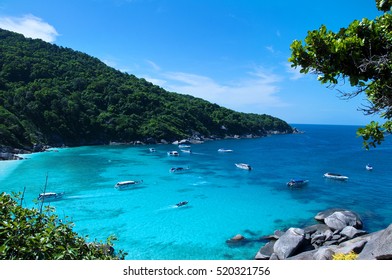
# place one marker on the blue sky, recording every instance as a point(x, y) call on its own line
point(233, 53)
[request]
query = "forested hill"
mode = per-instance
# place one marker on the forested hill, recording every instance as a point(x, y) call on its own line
point(54, 95)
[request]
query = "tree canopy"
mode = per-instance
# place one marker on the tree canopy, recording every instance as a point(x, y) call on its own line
point(55, 95)
point(31, 234)
point(359, 54)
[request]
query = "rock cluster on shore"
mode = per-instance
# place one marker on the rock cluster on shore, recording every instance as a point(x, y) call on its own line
point(339, 231)
point(8, 153)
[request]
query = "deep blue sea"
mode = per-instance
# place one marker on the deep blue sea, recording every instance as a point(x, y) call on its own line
point(223, 199)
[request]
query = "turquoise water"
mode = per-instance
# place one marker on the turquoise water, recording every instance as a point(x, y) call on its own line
point(223, 200)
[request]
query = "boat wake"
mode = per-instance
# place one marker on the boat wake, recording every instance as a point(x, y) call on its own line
point(166, 208)
point(79, 196)
point(171, 207)
point(200, 154)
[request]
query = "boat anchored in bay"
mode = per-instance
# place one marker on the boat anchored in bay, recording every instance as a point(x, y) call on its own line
point(125, 185)
point(173, 153)
point(50, 196)
point(182, 203)
point(293, 183)
point(369, 167)
point(335, 176)
point(225, 150)
point(178, 169)
point(243, 166)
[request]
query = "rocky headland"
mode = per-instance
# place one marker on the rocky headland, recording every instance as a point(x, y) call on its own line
point(8, 153)
point(337, 231)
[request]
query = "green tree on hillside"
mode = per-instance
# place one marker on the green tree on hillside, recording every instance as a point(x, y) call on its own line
point(360, 54)
point(54, 95)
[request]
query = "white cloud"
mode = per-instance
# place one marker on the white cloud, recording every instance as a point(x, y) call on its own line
point(30, 26)
point(155, 81)
point(251, 94)
point(270, 49)
point(256, 92)
point(153, 65)
point(294, 72)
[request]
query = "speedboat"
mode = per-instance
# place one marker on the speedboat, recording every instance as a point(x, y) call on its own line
point(173, 153)
point(225, 150)
point(187, 151)
point(297, 182)
point(335, 176)
point(124, 185)
point(182, 203)
point(50, 196)
point(369, 167)
point(178, 169)
point(243, 166)
point(152, 150)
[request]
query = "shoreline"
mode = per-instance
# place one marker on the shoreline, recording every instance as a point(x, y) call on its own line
point(11, 153)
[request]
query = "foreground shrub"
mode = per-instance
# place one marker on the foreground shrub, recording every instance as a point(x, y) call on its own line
point(341, 256)
point(32, 234)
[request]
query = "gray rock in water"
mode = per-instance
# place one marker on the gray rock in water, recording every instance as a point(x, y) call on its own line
point(330, 242)
point(238, 237)
point(289, 242)
point(317, 228)
point(352, 232)
point(266, 251)
point(342, 239)
point(320, 216)
point(336, 237)
point(278, 233)
point(328, 235)
point(340, 234)
point(323, 253)
point(340, 219)
point(307, 255)
point(379, 245)
point(318, 237)
point(353, 245)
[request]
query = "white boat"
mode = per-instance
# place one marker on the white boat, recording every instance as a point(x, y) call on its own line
point(369, 167)
point(243, 166)
point(335, 176)
point(225, 150)
point(187, 151)
point(152, 150)
point(50, 196)
point(173, 153)
point(297, 183)
point(124, 185)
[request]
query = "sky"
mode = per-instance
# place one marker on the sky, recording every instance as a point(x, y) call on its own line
point(230, 52)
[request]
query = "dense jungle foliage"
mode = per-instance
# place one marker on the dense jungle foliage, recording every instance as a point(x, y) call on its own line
point(55, 95)
point(32, 234)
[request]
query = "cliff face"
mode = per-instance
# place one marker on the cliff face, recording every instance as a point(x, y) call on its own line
point(54, 95)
